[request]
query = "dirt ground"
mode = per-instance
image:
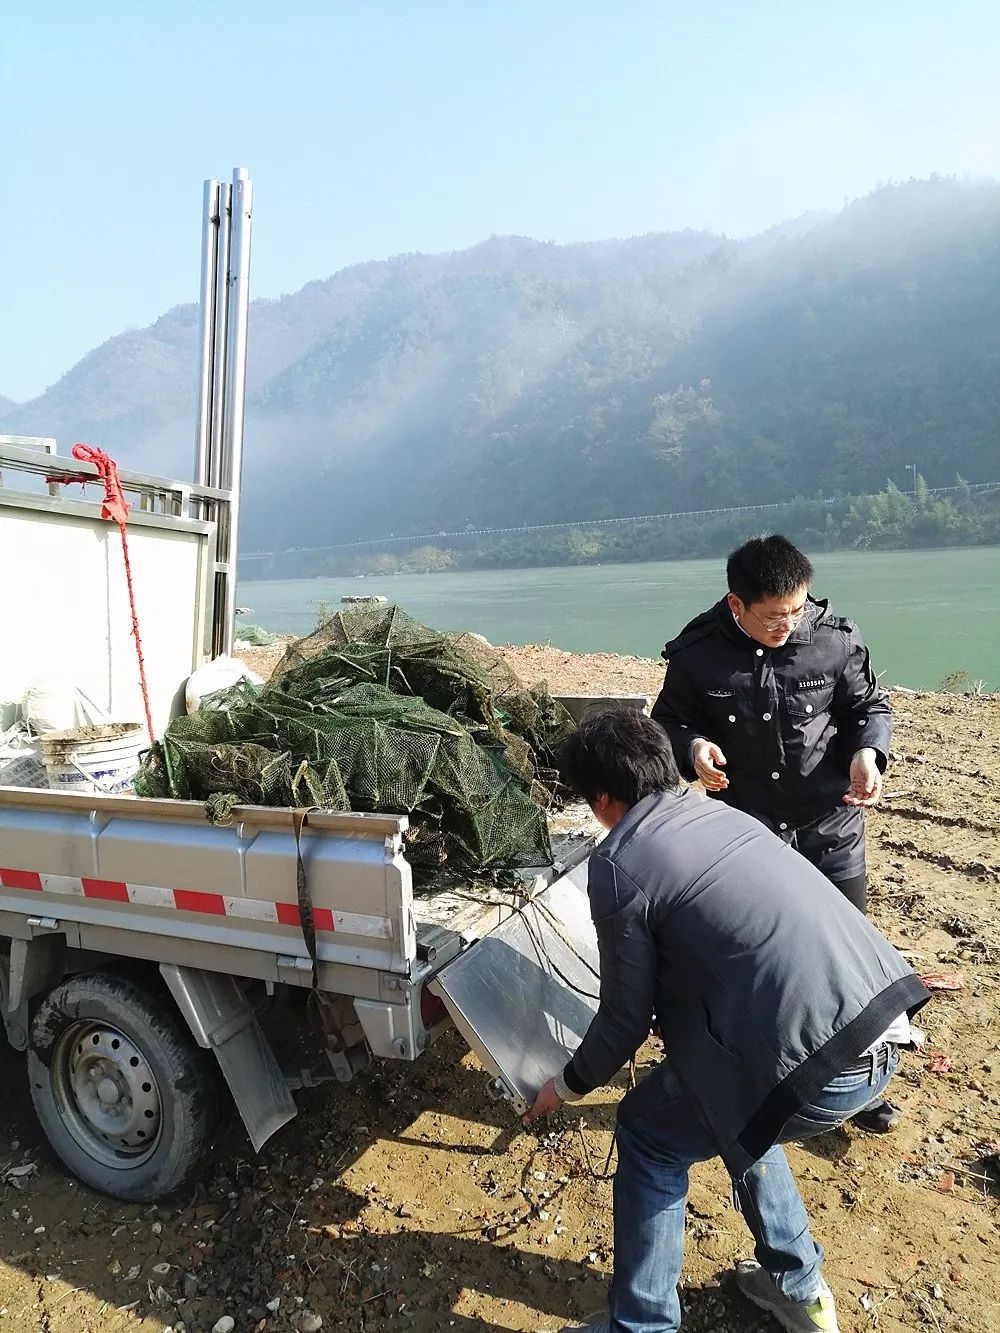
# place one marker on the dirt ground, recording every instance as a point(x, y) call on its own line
point(567, 673)
point(409, 1200)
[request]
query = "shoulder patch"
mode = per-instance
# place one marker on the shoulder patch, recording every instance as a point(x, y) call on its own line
point(692, 635)
point(827, 619)
point(839, 622)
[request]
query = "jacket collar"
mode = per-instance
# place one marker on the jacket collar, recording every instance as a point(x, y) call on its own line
point(802, 633)
point(634, 816)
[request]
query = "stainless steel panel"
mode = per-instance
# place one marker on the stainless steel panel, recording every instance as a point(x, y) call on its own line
point(524, 996)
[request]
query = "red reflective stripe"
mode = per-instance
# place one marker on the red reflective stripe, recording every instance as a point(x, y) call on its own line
point(111, 890)
point(288, 914)
point(190, 900)
point(323, 918)
point(20, 879)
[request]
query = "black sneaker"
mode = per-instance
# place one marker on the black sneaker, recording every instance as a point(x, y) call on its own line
point(877, 1119)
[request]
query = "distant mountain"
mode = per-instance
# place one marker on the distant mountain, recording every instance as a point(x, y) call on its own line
point(526, 382)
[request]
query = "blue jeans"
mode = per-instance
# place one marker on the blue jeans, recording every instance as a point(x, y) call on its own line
point(659, 1137)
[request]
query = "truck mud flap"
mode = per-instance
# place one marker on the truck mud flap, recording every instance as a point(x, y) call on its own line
point(221, 1020)
point(525, 994)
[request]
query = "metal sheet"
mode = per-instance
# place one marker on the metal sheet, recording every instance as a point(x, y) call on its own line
point(524, 996)
point(74, 592)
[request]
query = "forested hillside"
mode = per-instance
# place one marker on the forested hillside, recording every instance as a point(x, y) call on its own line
point(522, 382)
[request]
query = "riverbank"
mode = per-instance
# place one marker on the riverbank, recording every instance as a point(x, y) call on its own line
point(410, 1202)
point(567, 673)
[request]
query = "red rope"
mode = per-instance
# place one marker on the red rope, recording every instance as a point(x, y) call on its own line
point(115, 509)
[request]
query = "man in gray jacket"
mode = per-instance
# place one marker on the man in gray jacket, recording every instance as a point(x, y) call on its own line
point(780, 1006)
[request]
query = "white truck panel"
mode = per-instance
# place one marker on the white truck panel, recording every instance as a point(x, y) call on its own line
point(67, 614)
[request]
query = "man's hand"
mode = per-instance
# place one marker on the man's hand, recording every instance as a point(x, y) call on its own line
point(547, 1101)
point(866, 780)
point(707, 759)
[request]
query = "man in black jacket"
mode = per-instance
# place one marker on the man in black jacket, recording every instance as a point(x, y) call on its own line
point(780, 1008)
point(770, 699)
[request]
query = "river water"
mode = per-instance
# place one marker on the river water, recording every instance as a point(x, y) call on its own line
point(924, 614)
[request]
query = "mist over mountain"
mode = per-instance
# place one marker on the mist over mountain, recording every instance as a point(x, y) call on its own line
point(524, 382)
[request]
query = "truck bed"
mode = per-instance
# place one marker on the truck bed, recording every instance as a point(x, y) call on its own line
point(154, 879)
point(474, 907)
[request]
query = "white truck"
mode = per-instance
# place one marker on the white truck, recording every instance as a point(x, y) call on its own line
point(144, 951)
point(149, 959)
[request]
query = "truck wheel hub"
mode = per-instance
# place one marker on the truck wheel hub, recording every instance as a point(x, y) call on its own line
point(107, 1092)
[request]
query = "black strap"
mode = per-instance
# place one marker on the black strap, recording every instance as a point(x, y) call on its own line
point(299, 819)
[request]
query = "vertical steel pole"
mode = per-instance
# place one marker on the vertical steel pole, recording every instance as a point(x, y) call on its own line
point(209, 262)
point(236, 379)
point(220, 370)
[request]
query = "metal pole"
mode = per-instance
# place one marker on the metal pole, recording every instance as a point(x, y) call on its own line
point(220, 369)
point(235, 408)
point(209, 261)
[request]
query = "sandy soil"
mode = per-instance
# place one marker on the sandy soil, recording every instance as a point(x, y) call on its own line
point(409, 1200)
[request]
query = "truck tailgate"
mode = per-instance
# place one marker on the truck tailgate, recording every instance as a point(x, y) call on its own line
point(525, 994)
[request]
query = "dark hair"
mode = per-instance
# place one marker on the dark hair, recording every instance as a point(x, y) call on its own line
point(767, 567)
point(621, 752)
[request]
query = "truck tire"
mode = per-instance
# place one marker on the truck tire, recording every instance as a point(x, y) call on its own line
point(126, 1097)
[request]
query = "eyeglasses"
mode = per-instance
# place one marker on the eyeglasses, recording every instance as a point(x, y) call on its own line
point(773, 623)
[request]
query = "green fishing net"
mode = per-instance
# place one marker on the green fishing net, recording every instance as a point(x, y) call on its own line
point(376, 712)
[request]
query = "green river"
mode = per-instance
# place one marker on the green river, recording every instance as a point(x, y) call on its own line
point(924, 614)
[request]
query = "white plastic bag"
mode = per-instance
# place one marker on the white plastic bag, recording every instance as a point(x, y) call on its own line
point(53, 704)
point(215, 675)
point(20, 761)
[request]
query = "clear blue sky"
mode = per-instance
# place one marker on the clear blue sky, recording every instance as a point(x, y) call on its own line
point(374, 127)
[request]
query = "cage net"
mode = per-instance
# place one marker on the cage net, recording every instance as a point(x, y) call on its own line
point(376, 712)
